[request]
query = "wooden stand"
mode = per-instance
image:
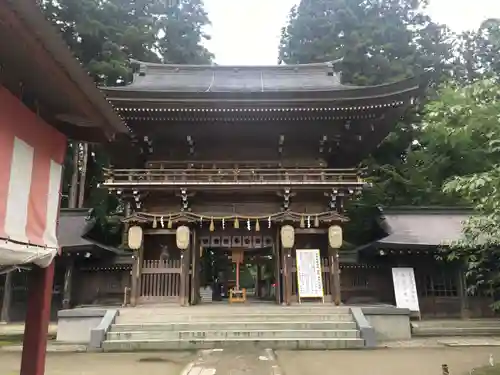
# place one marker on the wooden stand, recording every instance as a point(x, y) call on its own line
point(237, 294)
point(322, 298)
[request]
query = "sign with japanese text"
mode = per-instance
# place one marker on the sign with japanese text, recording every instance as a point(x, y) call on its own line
point(405, 288)
point(309, 274)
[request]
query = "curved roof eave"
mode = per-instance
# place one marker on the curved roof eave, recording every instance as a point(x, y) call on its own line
point(32, 18)
point(384, 92)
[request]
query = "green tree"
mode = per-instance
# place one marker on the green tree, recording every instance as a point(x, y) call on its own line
point(182, 30)
point(379, 41)
point(105, 35)
point(470, 116)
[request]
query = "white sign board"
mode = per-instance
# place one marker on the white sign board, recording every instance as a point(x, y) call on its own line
point(405, 288)
point(309, 274)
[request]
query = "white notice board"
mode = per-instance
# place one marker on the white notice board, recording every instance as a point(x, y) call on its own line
point(309, 274)
point(405, 288)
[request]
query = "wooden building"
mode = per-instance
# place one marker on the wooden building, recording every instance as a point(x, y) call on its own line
point(235, 153)
point(86, 273)
point(416, 238)
point(46, 97)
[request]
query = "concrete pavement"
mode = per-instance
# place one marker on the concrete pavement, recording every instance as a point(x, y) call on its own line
point(411, 361)
point(104, 364)
point(250, 361)
point(234, 362)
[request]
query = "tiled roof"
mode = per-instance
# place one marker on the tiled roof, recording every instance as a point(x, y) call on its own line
point(423, 228)
point(73, 228)
point(214, 78)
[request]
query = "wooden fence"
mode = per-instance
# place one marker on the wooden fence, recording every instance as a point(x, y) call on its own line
point(160, 281)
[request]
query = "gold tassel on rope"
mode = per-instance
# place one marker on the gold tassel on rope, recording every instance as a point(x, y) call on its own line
point(302, 223)
point(212, 226)
point(236, 224)
point(316, 221)
point(155, 224)
point(257, 225)
point(169, 223)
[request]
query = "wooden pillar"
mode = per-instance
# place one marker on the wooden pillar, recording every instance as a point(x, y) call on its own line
point(278, 271)
point(287, 253)
point(73, 189)
point(184, 294)
point(68, 282)
point(83, 175)
point(136, 276)
point(462, 292)
point(257, 280)
point(7, 296)
point(40, 281)
point(333, 256)
point(195, 268)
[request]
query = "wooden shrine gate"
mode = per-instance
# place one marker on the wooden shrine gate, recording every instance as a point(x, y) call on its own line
point(160, 281)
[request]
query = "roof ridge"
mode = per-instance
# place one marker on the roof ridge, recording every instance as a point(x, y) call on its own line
point(326, 64)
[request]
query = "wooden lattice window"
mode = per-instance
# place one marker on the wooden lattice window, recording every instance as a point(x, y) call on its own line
point(355, 278)
point(438, 284)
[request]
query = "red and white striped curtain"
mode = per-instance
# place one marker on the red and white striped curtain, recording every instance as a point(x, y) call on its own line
point(31, 159)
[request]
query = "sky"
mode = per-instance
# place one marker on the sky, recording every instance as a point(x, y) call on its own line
point(247, 32)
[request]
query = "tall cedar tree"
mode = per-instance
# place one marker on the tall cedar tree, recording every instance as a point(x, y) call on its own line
point(105, 34)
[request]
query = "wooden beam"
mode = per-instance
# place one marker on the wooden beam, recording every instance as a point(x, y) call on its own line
point(68, 283)
point(7, 296)
point(159, 231)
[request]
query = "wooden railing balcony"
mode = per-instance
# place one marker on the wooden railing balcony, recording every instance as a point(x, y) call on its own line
point(298, 177)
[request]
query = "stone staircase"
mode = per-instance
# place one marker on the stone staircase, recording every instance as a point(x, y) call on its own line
point(456, 327)
point(223, 326)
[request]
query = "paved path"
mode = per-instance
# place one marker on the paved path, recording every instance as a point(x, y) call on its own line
point(242, 361)
point(234, 362)
point(414, 361)
point(104, 364)
point(12, 329)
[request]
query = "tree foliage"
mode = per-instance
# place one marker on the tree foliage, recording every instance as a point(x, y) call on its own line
point(469, 117)
point(379, 41)
point(105, 34)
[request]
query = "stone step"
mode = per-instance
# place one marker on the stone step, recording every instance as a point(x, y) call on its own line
point(242, 325)
point(457, 323)
point(231, 334)
point(337, 317)
point(235, 309)
point(455, 331)
point(242, 343)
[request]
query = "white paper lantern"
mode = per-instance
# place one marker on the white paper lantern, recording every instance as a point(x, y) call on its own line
point(135, 236)
point(182, 237)
point(335, 236)
point(287, 236)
